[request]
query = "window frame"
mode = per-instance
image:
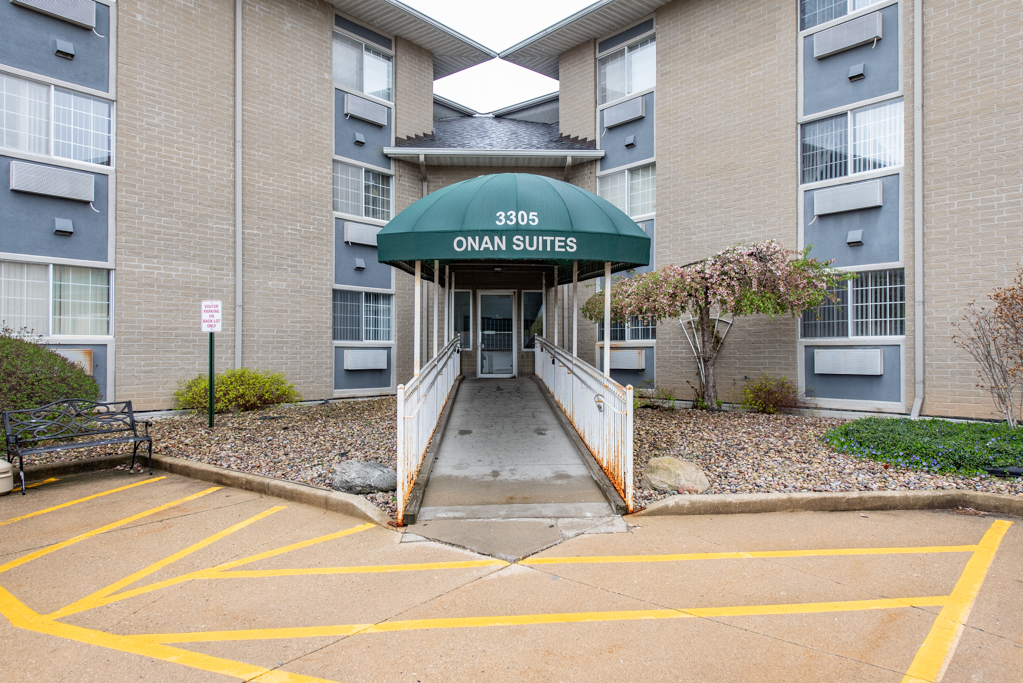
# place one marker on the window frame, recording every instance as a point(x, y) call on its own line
point(628, 170)
point(599, 54)
point(629, 339)
point(873, 7)
point(362, 291)
point(49, 333)
point(850, 320)
point(851, 175)
point(374, 47)
point(364, 168)
point(522, 315)
point(472, 311)
point(49, 156)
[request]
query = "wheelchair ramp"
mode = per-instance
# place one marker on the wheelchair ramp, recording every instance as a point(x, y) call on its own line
point(504, 455)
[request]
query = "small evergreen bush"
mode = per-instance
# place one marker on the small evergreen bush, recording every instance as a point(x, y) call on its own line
point(32, 375)
point(769, 394)
point(930, 445)
point(236, 390)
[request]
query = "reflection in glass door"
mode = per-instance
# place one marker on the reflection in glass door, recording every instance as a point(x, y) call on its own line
point(497, 335)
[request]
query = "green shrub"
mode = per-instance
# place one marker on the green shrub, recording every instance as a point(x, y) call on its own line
point(241, 389)
point(32, 375)
point(930, 445)
point(769, 394)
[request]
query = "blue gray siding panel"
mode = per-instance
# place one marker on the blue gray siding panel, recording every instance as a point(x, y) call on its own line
point(612, 140)
point(377, 137)
point(639, 379)
point(375, 275)
point(886, 387)
point(29, 42)
point(27, 221)
point(99, 363)
point(826, 83)
point(360, 379)
point(626, 35)
point(880, 226)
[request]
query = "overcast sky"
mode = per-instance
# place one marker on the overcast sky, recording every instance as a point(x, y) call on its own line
point(498, 25)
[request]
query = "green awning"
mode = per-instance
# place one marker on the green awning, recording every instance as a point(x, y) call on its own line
point(514, 217)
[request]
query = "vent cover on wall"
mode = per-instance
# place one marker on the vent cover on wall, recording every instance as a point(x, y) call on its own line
point(628, 359)
point(846, 36)
point(364, 109)
point(848, 362)
point(52, 181)
point(365, 359)
point(360, 233)
point(847, 198)
point(79, 12)
point(626, 111)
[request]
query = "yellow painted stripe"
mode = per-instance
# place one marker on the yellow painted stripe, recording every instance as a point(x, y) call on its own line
point(97, 599)
point(213, 572)
point(103, 529)
point(534, 619)
point(80, 500)
point(22, 617)
point(40, 483)
point(369, 569)
point(827, 552)
point(939, 645)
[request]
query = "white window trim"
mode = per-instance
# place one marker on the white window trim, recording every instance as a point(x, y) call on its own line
point(364, 290)
point(628, 197)
point(596, 74)
point(379, 48)
point(850, 322)
point(850, 145)
point(364, 167)
point(638, 93)
point(49, 334)
point(596, 43)
point(845, 17)
point(363, 95)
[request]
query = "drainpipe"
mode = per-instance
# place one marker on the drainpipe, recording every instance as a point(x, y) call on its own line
point(238, 183)
point(918, 205)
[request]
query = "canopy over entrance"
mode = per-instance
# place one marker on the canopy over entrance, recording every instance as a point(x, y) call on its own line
point(514, 217)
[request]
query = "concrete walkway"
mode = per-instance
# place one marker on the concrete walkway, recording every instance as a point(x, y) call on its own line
point(505, 456)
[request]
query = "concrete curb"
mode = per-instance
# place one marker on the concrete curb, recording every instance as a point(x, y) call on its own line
point(64, 468)
point(752, 503)
point(334, 501)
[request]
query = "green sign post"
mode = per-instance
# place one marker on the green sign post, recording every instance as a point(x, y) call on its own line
point(211, 321)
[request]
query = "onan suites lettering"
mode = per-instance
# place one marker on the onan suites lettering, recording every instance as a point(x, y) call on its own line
point(538, 243)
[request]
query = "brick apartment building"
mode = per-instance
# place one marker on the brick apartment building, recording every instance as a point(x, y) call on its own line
point(161, 153)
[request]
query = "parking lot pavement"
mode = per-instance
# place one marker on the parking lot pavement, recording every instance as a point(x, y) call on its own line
point(112, 576)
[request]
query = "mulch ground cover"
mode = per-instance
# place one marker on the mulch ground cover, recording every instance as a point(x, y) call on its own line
point(740, 452)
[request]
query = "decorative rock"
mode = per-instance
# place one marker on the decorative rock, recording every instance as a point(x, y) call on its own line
point(672, 474)
point(354, 476)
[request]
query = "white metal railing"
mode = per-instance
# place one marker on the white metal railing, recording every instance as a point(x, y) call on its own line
point(420, 404)
point(599, 408)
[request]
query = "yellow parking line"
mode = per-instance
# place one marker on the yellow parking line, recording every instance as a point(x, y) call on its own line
point(609, 559)
point(97, 599)
point(934, 655)
point(80, 500)
point(22, 617)
point(533, 619)
point(89, 534)
point(40, 483)
point(368, 569)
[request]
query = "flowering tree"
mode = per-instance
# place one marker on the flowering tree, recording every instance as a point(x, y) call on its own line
point(762, 278)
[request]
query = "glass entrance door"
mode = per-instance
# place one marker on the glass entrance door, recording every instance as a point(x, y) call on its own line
point(497, 334)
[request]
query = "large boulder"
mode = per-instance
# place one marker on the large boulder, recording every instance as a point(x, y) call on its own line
point(672, 474)
point(354, 476)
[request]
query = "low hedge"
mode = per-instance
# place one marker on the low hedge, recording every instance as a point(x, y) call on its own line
point(32, 375)
point(935, 446)
point(236, 390)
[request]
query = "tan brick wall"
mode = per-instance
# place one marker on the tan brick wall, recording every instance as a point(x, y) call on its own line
point(413, 89)
point(973, 182)
point(408, 188)
point(175, 198)
point(577, 84)
point(175, 161)
point(726, 164)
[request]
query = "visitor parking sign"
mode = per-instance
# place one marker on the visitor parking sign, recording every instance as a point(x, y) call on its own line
point(211, 318)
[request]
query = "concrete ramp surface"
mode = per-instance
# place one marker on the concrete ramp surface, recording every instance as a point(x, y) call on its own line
point(505, 455)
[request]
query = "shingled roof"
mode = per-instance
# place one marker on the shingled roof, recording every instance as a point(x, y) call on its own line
point(486, 132)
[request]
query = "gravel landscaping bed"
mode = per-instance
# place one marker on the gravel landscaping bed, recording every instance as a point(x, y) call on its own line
point(754, 453)
point(740, 452)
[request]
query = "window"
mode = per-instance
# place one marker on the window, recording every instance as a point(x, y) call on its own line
point(359, 67)
point(630, 69)
point(634, 330)
point(634, 191)
point(80, 299)
point(532, 318)
point(81, 124)
point(362, 316)
point(813, 12)
point(361, 192)
point(878, 308)
point(462, 318)
point(24, 302)
point(877, 142)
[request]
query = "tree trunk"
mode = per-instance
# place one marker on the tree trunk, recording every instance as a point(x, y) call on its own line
point(708, 352)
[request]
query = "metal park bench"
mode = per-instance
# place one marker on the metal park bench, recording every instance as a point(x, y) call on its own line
point(72, 423)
